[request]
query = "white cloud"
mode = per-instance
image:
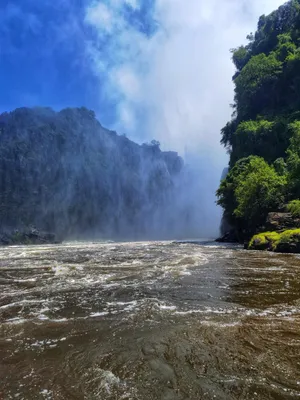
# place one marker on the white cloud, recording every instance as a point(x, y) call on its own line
point(100, 16)
point(184, 70)
point(179, 79)
point(266, 6)
point(127, 81)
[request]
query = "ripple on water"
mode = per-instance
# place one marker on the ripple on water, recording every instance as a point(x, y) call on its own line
point(148, 321)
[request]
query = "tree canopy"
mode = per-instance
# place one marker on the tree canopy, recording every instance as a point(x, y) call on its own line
point(263, 137)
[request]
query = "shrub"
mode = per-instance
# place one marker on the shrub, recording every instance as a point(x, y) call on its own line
point(294, 208)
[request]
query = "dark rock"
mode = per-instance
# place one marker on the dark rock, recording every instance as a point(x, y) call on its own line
point(288, 247)
point(225, 227)
point(65, 173)
point(31, 236)
point(229, 237)
point(280, 221)
point(289, 242)
point(246, 245)
point(224, 173)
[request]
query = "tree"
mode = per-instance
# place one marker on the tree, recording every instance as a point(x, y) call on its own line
point(263, 137)
point(260, 137)
point(240, 57)
point(256, 85)
point(293, 160)
point(260, 190)
point(250, 191)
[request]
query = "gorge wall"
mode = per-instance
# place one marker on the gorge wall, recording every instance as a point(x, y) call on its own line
point(63, 172)
point(263, 135)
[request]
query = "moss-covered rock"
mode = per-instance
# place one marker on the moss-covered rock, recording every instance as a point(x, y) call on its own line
point(284, 242)
point(264, 241)
point(289, 242)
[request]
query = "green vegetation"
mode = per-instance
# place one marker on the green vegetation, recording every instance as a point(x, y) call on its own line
point(263, 137)
point(294, 208)
point(251, 189)
point(264, 241)
point(285, 242)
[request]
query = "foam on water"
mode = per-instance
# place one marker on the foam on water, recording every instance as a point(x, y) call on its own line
point(106, 320)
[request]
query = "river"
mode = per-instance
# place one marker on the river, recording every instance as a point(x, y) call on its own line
point(148, 321)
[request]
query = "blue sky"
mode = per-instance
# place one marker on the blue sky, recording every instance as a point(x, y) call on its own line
point(43, 55)
point(150, 68)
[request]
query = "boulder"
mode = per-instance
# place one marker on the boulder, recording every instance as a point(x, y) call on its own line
point(287, 241)
point(281, 221)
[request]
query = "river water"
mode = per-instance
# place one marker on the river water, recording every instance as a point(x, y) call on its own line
point(148, 321)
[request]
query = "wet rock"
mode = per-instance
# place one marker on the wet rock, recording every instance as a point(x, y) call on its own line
point(30, 236)
point(292, 247)
point(289, 242)
point(228, 237)
point(285, 242)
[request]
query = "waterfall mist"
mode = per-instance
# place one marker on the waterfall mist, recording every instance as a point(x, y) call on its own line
point(166, 65)
point(152, 70)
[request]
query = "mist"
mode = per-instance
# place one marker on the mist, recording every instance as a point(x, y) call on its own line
point(151, 69)
point(167, 68)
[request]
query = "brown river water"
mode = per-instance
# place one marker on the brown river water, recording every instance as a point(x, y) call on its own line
point(148, 321)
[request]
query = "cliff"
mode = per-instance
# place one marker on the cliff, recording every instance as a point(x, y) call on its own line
point(263, 137)
point(62, 172)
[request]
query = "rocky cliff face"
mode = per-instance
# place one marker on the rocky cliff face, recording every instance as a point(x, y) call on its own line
point(281, 221)
point(226, 230)
point(63, 172)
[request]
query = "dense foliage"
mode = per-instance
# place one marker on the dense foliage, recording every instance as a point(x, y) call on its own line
point(294, 208)
point(63, 172)
point(263, 137)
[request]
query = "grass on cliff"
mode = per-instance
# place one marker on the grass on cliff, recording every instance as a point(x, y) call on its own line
point(287, 241)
